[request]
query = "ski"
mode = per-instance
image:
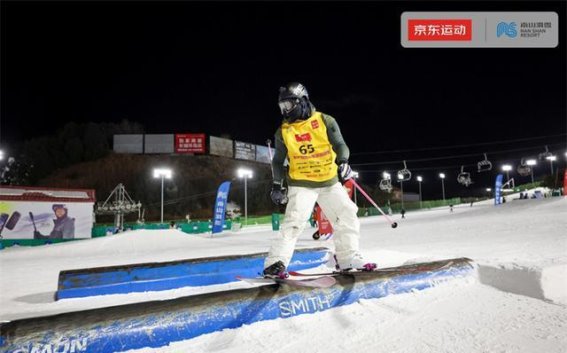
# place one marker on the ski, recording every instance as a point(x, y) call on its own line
point(318, 282)
point(406, 268)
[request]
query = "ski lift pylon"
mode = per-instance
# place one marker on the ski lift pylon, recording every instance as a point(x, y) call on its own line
point(485, 165)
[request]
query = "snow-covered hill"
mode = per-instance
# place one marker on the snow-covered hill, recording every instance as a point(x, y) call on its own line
point(517, 304)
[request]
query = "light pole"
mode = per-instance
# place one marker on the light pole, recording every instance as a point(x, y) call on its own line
point(551, 159)
point(531, 163)
point(419, 180)
point(246, 174)
point(507, 168)
point(355, 175)
point(162, 174)
point(401, 180)
point(387, 176)
point(442, 176)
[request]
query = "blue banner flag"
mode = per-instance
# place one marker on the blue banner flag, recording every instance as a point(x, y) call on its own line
point(220, 206)
point(498, 190)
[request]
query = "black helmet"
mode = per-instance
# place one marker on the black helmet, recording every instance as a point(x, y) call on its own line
point(294, 102)
point(59, 205)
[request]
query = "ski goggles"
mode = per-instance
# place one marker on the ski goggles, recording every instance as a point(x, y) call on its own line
point(288, 105)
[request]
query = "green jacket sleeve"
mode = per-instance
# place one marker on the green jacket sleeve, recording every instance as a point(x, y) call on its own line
point(279, 158)
point(336, 139)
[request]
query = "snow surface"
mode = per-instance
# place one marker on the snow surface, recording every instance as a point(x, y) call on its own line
point(518, 303)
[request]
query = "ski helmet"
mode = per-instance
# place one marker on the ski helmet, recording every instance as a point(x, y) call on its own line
point(294, 102)
point(59, 205)
point(56, 207)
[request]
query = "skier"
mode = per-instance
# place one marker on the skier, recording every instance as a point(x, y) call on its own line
point(403, 212)
point(63, 225)
point(318, 159)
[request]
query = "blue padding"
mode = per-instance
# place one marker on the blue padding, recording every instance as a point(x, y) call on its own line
point(157, 324)
point(156, 277)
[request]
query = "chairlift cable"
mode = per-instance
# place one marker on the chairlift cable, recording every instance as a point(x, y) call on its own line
point(450, 157)
point(459, 146)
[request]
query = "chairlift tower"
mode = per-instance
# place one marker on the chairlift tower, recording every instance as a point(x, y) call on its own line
point(119, 206)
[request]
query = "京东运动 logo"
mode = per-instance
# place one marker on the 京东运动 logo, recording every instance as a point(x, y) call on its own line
point(508, 29)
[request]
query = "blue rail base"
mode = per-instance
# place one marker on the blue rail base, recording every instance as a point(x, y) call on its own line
point(176, 274)
point(157, 324)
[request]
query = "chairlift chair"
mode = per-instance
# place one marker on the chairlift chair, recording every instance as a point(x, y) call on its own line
point(385, 185)
point(524, 169)
point(484, 165)
point(464, 178)
point(405, 173)
point(544, 155)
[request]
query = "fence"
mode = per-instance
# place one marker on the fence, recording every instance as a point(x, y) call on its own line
point(412, 205)
point(196, 227)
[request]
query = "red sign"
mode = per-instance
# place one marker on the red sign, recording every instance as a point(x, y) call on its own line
point(441, 29)
point(189, 143)
point(314, 124)
point(323, 222)
point(303, 137)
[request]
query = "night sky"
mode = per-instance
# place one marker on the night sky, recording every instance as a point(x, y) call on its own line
point(216, 68)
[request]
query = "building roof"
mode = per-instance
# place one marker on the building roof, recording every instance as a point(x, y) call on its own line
point(29, 193)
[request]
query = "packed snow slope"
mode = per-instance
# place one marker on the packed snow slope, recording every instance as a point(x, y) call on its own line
point(517, 304)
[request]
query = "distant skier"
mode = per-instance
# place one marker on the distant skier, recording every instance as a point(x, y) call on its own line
point(318, 159)
point(403, 212)
point(451, 208)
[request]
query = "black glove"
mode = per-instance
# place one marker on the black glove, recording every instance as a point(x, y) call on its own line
point(344, 172)
point(278, 194)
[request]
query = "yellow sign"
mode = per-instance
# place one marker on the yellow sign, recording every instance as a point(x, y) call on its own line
point(311, 156)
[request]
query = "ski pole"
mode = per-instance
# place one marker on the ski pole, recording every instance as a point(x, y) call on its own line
point(33, 222)
point(394, 224)
point(270, 154)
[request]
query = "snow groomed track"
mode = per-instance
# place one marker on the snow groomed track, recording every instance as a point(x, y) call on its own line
point(175, 274)
point(156, 324)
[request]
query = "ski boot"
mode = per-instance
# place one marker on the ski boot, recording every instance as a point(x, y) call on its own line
point(276, 270)
point(356, 262)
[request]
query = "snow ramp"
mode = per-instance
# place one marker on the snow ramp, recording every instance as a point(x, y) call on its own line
point(156, 324)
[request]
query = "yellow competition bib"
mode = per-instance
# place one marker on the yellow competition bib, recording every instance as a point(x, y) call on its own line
point(310, 154)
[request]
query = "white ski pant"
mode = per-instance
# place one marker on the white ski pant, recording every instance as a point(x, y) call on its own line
point(339, 209)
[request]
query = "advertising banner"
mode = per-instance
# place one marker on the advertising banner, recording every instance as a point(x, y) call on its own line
point(521, 29)
point(128, 143)
point(221, 147)
point(243, 150)
point(45, 220)
point(220, 206)
point(498, 190)
point(190, 143)
point(263, 154)
point(158, 143)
